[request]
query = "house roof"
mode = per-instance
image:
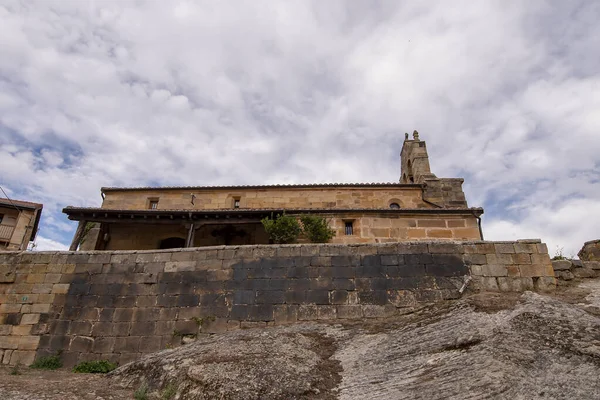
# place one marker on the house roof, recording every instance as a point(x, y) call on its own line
point(280, 186)
point(20, 204)
point(91, 213)
point(26, 205)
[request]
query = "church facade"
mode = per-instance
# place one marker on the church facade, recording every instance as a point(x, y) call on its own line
point(420, 206)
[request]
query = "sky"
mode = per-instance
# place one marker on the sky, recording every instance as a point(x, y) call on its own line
point(134, 93)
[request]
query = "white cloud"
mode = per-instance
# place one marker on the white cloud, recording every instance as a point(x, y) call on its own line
point(126, 93)
point(45, 244)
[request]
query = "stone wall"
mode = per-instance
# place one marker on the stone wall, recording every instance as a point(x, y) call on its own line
point(369, 228)
point(120, 305)
point(287, 197)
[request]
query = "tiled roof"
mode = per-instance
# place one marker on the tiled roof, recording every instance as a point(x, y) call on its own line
point(20, 203)
point(284, 186)
point(74, 210)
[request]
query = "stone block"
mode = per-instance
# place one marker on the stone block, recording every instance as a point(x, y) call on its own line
point(153, 257)
point(7, 274)
point(412, 248)
point(530, 271)
point(542, 248)
point(270, 297)
point(284, 314)
point(103, 345)
point(129, 344)
point(560, 265)
point(595, 265)
point(349, 312)
point(23, 357)
point(82, 344)
point(544, 283)
point(377, 297)
point(584, 273)
point(498, 258)
point(261, 312)
point(307, 313)
point(9, 342)
point(489, 284)
point(494, 270)
point(325, 312)
point(30, 319)
point(150, 344)
point(374, 311)
point(446, 248)
point(528, 248)
point(475, 259)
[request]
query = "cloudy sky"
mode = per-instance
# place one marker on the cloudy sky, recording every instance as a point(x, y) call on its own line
point(132, 93)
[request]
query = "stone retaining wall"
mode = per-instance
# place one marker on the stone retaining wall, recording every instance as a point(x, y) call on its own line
point(120, 305)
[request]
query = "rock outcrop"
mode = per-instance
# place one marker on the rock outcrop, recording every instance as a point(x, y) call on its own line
point(488, 345)
point(590, 251)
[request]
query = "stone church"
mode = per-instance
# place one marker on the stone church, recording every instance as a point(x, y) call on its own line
point(420, 206)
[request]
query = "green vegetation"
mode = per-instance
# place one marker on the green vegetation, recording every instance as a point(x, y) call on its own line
point(48, 362)
point(558, 255)
point(317, 229)
point(94, 367)
point(201, 320)
point(16, 370)
point(142, 392)
point(168, 392)
point(283, 229)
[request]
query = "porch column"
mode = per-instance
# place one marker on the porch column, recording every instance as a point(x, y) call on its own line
point(78, 235)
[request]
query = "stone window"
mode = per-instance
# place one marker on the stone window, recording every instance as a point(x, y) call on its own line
point(349, 228)
point(236, 202)
point(152, 204)
point(395, 206)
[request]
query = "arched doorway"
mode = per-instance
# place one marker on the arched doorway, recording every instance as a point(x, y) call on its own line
point(172, 243)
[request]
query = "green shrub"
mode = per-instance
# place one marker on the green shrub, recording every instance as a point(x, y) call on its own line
point(317, 229)
point(94, 367)
point(48, 362)
point(283, 229)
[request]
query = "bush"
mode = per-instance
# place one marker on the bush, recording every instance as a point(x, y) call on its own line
point(283, 229)
point(94, 367)
point(317, 229)
point(48, 362)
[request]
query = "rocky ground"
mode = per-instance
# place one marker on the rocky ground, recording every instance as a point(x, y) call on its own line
point(505, 346)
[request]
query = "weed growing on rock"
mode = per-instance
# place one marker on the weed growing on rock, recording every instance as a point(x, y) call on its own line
point(168, 392)
point(142, 392)
point(95, 367)
point(16, 370)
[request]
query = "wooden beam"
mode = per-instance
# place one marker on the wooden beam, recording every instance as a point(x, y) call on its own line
point(78, 235)
point(190, 238)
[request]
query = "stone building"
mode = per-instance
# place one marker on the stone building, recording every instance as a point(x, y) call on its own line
point(19, 222)
point(419, 207)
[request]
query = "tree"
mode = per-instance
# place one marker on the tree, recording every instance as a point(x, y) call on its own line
point(283, 229)
point(317, 229)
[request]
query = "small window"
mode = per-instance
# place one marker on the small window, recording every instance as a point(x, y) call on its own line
point(153, 205)
point(236, 203)
point(395, 206)
point(1, 218)
point(348, 228)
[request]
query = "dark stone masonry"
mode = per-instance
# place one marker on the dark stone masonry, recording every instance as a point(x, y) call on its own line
point(120, 305)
